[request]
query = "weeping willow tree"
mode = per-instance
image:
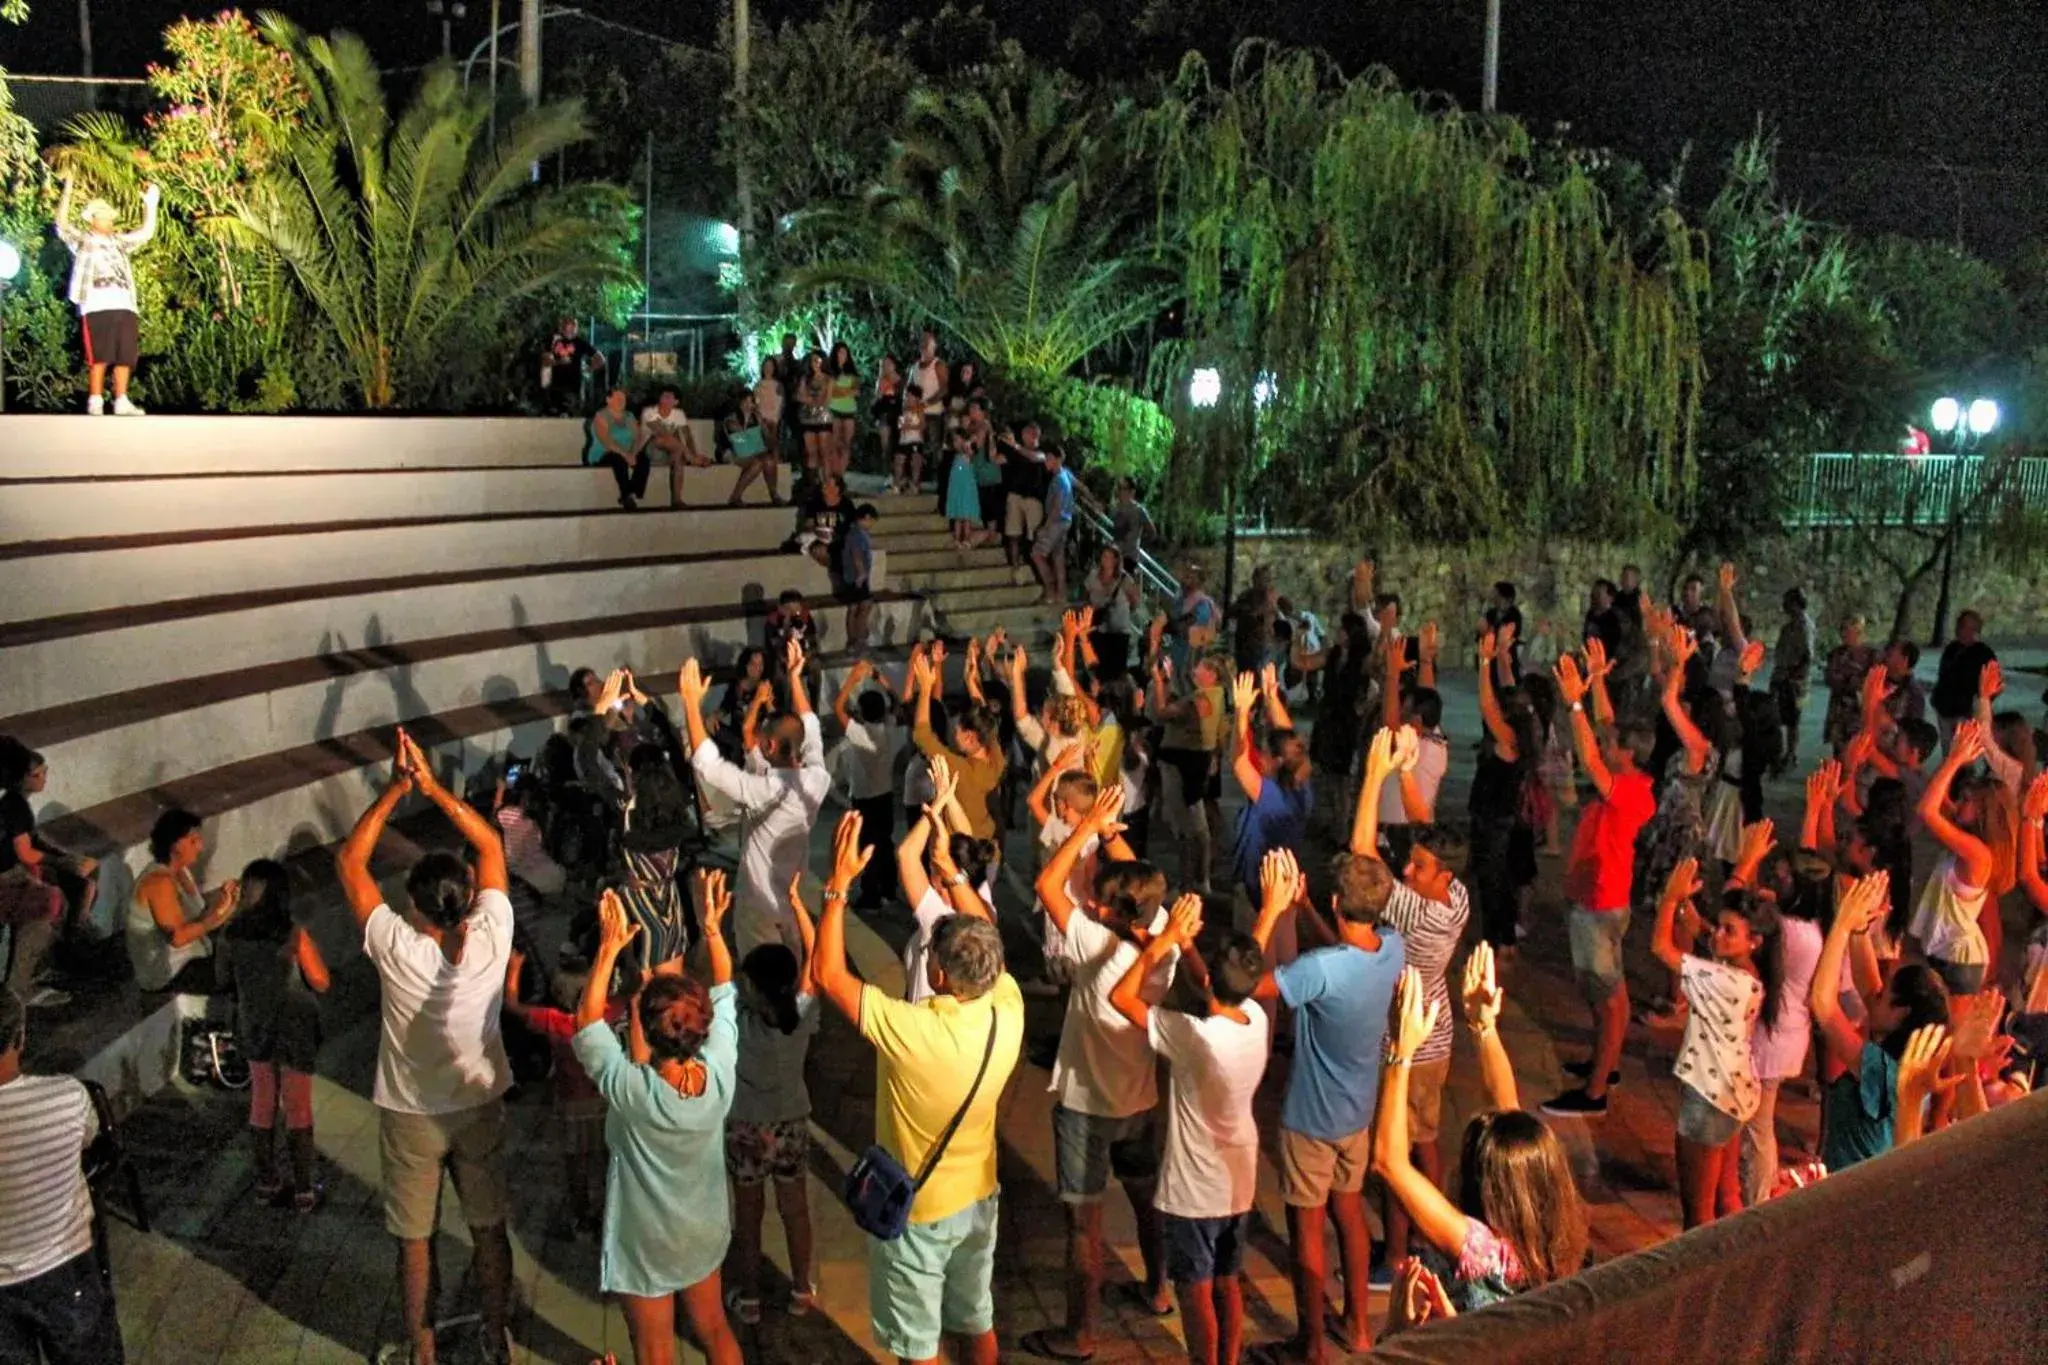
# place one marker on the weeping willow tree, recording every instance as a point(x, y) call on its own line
point(1412, 329)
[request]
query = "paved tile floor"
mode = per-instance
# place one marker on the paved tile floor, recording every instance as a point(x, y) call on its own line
point(219, 1279)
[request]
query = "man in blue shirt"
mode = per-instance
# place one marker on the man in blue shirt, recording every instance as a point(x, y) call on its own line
point(1049, 549)
point(1340, 995)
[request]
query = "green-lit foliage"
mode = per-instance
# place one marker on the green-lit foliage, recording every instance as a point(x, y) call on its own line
point(1453, 347)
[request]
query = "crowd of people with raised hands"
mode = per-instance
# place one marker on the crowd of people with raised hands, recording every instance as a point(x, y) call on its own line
point(1327, 949)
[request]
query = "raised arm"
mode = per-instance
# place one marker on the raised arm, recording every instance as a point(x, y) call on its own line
point(1427, 645)
point(1731, 615)
point(1973, 855)
point(1598, 666)
point(1757, 841)
point(1823, 788)
point(971, 672)
point(1697, 746)
point(1862, 906)
point(965, 900)
point(714, 896)
point(1127, 997)
point(1379, 766)
point(1489, 705)
point(614, 932)
point(1390, 686)
point(842, 705)
point(799, 695)
point(1679, 889)
point(1572, 688)
point(2032, 811)
point(1439, 1221)
point(1242, 764)
point(1039, 798)
point(476, 828)
point(836, 981)
point(352, 859)
point(1920, 1069)
point(1280, 886)
point(1276, 705)
point(1100, 823)
point(1483, 1000)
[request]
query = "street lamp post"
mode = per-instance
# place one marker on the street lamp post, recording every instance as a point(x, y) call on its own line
point(447, 11)
point(1964, 427)
point(10, 266)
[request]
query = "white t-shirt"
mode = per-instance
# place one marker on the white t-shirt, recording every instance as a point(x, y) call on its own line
point(45, 1207)
point(780, 805)
point(1714, 1057)
point(1105, 1066)
point(867, 758)
point(1780, 1051)
point(917, 981)
point(1211, 1168)
point(1432, 757)
point(653, 424)
point(1051, 835)
point(440, 1051)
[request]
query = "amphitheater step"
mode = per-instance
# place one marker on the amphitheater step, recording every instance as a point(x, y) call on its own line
point(1028, 625)
point(948, 575)
point(36, 511)
point(190, 724)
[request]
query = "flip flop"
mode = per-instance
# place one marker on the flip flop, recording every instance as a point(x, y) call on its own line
point(1040, 1344)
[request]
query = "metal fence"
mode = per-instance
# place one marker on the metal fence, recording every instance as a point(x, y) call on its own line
point(1903, 490)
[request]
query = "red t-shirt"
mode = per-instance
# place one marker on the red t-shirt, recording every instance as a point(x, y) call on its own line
point(1603, 860)
point(572, 1082)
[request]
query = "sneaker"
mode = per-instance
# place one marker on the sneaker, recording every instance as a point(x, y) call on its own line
point(1583, 1071)
point(124, 408)
point(49, 998)
point(744, 1308)
point(95, 405)
point(1576, 1104)
point(804, 1301)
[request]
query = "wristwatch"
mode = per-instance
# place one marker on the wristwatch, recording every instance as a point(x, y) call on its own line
point(957, 879)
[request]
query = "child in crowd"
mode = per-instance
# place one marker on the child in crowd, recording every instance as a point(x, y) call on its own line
point(768, 1131)
point(866, 760)
point(278, 974)
point(1728, 995)
point(578, 1109)
point(1958, 898)
point(910, 437)
point(1059, 801)
point(1209, 1176)
point(963, 494)
point(944, 870)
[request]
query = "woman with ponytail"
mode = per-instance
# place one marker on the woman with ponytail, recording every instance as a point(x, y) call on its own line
point(767, 1135)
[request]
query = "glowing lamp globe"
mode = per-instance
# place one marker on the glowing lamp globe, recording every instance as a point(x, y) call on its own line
point(1205, 386)
point(1947, 413)
point(10, 262)
point(1983, 416)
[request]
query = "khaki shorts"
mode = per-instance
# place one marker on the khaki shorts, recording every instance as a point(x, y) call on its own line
point(1311, 1169)
point(1022, 517)
point(469, 1144)
point(1426, 1100)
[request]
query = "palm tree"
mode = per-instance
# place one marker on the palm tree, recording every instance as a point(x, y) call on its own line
point(417, 241)
point(1009, 220)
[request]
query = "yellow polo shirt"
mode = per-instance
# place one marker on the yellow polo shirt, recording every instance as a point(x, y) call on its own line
point(925, 1058)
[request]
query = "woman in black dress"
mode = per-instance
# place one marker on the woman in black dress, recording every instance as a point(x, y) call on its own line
point(278, 974)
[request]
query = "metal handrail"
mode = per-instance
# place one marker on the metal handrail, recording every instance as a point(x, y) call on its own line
point(1152, 576)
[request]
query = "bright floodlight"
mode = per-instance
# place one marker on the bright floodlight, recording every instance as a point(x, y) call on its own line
point(724, 239)
point(1947, 412)
point(1983, 416)
point(1205, 387)
point(10, 262)
point(1264, 389)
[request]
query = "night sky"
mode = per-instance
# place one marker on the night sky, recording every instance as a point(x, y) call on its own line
point(1870, 97)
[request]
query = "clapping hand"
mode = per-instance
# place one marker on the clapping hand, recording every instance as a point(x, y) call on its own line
point(1968, 745)
point(849, 858)
point(1407, 749)
point(1598, 665)
point(1427, 642)
point(690, 686)
point(1184, 921)
point(1570, 685)
point(1684, 882)
point(2035, 807)
point(1824, 785)
point(1418, 1297)
point(793, 656)
point(1104, 818)
point(1489, 646)
point(1991, 681)
point(1865, 902)
point(1927, 1052)
point(1279, 881)
point(1756, 841)
point(1241, 693)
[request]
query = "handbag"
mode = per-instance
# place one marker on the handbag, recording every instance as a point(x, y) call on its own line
point(210, 1057)
point(879, 1192)
point(748, 442)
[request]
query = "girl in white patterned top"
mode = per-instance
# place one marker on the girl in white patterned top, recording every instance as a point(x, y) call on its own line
point(1971, 819)
point(1728, 995)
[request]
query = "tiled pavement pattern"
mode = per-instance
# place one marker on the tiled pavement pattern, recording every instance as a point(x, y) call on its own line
point(222, 1280)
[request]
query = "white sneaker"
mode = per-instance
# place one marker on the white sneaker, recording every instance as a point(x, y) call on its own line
point(95, 405)
point(124, 408)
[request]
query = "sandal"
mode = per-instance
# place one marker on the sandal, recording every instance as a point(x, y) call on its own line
point(1131, 1294)
point(804, 1301)
point(744, 1308)
point(1040, 1343)
point(309, 1199)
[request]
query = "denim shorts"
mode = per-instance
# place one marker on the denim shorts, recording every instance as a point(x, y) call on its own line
point(1699, 1121)
point(933, 1281)
point(1201, 1249)
point(1088, 1149)
point(1596, 951)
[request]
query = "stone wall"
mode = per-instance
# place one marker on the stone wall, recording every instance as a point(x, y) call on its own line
point(1451, 584)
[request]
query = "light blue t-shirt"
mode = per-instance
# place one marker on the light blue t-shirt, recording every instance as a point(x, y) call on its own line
point(667, 1220)
point(1059, 497)
point(1340, 997)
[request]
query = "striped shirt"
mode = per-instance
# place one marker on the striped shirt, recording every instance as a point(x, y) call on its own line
point(1432, 930)
point(45, 1208)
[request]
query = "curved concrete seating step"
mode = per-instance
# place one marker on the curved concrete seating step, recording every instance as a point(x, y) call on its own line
point(40, 510)
point(105, 574)
point(107, 746)
point(47, 445)
point(944, 571)
point(58, 661)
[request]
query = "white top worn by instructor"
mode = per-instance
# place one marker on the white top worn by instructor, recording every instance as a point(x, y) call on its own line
point(102, 288)
point(780, 792)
